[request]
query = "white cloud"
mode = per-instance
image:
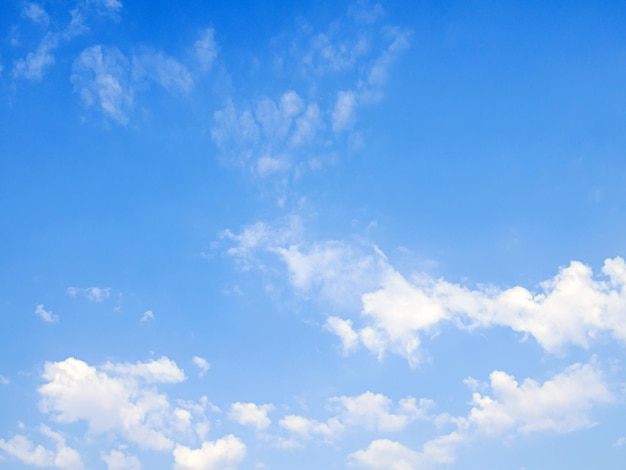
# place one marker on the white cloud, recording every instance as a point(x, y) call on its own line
point(36, 13)
point(163, 370)
point(251, 414)
point(369, 411)
point(385, 454)
point(95, 294)
point(306, 428)
point(343, 329)
point(166, 71)
point(560, 405)
point(147, 316)
point(23, 449)
point(32, 67)
point(339, 271)
point(117, 398)
point(373, 411)
point(572, 308)
point(4, 380)
point(117, 460)
point(101, 77)
point(224, 454)
point(46, 315)
point(206, 49)
point(202, 364)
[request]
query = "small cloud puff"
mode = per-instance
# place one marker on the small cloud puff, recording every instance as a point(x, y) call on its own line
point(46, 315)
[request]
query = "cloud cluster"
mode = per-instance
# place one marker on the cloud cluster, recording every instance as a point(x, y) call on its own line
point(298, 130)
point(560, 405)
point(369, 411)
point(575, 307)
point(23, 449)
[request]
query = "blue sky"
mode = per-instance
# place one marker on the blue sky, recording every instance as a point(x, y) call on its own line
point(330, 235)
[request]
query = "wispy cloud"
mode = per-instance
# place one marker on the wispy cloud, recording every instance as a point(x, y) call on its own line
point(94, 294)
point(147, 316)
point(297, 130)
point(202, 364)
point(46, 315)
point(33, 66)
point(101, 77)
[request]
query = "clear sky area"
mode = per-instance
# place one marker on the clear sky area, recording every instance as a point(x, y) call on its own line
point(312, 235)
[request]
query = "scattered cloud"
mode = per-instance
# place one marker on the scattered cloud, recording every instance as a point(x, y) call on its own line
point(4, 380)
point(33, 66)
point(46, 315)
point(94, 294)
point(251, 414)
point(369, 411)
point(36, 13)
point(165, 71)
point(115, 398)
point(23, 449)
point(117, 460)
point(147, 316)
point(224, 454)
point(202, 364)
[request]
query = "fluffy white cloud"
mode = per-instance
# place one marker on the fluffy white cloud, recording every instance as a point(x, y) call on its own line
point(343, 114)
point(23, 449)
point(561, 404)
point(202, 364)
point(386, 454)
point(369, 411)
point(101, 77)
point(46, 315)
point(251, 414)
point(95, 294)
point(115, 398)
point(117, 460)
point(224, 454)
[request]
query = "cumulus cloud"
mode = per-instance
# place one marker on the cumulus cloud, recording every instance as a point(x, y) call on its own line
point(23, 449)
point(572, 308)
point(561, 404)
point(223, 454)
point(369, 411)
point(251, 414)
point(117, 460)
point(46, 315)
point(94, 294)
point(118, 398)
